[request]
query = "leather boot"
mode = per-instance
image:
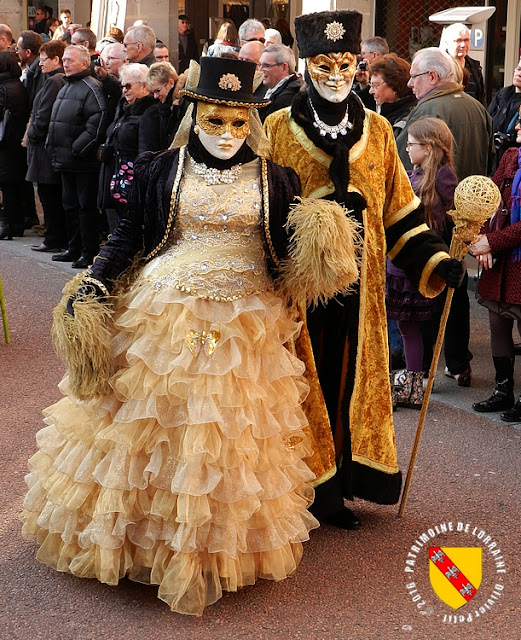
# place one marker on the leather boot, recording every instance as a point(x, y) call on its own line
point(503, 395)
point(411, 393)
point(514, 414)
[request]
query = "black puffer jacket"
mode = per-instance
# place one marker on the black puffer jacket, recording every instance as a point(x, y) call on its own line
point(38, 161)
point(127, 137)
point(78, 124)
point(13, 96)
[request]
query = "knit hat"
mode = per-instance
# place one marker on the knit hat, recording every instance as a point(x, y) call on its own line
point(328, 32)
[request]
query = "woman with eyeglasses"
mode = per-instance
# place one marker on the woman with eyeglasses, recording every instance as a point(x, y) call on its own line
point(498, 251)
point(394, 99)
point(126, 139)
point(163, 121)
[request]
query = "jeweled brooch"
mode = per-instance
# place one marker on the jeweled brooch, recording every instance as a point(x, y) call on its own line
point(334, 31)
point(229, 82)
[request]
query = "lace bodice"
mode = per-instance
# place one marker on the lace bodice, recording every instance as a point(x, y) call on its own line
point(216, 248)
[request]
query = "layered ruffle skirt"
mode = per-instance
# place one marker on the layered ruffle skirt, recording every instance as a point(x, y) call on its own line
point(190, 473)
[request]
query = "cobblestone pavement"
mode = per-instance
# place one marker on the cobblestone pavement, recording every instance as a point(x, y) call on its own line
point(350, 585)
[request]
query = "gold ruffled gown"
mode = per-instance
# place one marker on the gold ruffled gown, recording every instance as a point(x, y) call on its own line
point(190, 474)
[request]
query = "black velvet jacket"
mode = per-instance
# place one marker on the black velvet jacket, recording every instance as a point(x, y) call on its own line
point(153, 208)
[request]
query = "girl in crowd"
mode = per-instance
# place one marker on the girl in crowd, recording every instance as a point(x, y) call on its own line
point(430, 147)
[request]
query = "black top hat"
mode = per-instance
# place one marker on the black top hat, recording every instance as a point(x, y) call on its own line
point(225, 81)
point(328, 32)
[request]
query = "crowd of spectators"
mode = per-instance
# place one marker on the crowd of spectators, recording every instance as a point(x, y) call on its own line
point(81, 111)
point(85, 109)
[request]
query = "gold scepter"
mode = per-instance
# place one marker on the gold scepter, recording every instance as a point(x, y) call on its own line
point(476, 199)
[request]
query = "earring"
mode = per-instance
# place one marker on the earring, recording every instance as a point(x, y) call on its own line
point(196, 130)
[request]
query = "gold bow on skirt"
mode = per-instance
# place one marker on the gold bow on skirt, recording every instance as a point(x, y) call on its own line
point(206, 340)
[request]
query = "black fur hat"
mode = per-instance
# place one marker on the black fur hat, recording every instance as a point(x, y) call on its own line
point(328, 32)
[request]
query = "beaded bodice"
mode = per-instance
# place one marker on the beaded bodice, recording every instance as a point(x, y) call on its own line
point(216, 248)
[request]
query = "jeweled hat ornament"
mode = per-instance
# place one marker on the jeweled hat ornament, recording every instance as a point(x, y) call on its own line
point(328, 32)
point(225, 81)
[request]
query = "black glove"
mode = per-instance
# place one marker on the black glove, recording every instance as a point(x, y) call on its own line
point(83, 292)
point(452, 271)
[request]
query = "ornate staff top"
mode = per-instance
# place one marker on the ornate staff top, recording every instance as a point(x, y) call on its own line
point(476, 199)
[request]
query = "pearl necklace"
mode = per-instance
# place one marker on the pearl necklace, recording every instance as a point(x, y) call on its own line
point(216, 176)
point(333, 130)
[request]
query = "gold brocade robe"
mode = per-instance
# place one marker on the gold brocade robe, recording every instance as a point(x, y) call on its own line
point(377, 173)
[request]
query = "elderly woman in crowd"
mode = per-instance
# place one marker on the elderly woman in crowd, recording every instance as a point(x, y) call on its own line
point(126, 139)
point(14, 98)
point(40, 169)
point(163, 122)
point(394, 99)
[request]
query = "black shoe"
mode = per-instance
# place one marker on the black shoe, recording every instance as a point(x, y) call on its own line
point(498, 401)
point(513, 414)
point(6, 233)
point(43, 247)
point(344, 519)
point(82, 262)
point(66, 256)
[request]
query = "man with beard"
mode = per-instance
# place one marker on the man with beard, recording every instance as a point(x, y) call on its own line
point(345, 153)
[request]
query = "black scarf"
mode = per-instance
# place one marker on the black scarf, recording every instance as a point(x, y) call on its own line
point(332, 113)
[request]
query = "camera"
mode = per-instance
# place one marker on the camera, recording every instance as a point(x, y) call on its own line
point(362, 65)
point(97, 62)
point(504, 140)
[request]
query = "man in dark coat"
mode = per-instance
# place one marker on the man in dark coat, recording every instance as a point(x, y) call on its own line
point(109, 84)
point(277, 64)
point(140, 42)
point(345, 153)
point(504, 111)
point(77, 127)
point(188, 49)
point(40, 19)
point(27, 48)
point(455, 40)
